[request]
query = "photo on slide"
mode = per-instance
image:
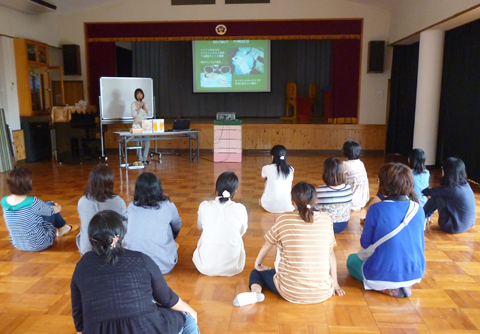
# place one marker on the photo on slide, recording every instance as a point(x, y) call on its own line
point(216, 76)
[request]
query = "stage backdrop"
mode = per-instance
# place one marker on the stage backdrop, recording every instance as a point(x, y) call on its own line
point(101, 37)
point(170, 66)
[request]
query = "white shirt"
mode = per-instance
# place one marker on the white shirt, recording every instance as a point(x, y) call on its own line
point(357, 179)
point(276, 197)
point(220, 250)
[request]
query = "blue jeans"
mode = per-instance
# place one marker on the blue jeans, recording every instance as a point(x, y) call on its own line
point(56, 219)
point(264, 279)
point(190, 326)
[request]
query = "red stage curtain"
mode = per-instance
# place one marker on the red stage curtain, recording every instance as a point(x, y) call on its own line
point(101, 63)
point(344, 80)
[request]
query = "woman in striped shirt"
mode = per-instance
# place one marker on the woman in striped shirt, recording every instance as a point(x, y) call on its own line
point(335, 197)
point(32, 223)
point(307, 270)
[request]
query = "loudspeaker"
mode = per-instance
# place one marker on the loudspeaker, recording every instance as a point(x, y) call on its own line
point(376, 55)
point(71, 59)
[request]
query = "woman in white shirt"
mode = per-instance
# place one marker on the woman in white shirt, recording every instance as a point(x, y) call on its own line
point(276, 197)
point(140, 112)
point(220, 250)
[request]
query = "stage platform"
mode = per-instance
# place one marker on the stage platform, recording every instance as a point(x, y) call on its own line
point(263, 133)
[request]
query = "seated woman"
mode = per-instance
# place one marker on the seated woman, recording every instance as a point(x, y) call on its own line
point(97, 196)
point(356, 175)
point(153, 223)
point(32, 223)
point(114, 290)
point(399, 262)
point(335, 197)
point(305, 242)
point(454, 199)
point(223, 222)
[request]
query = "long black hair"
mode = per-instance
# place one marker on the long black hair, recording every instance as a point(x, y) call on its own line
point(279, 153)
point(226, 181)
point(417, 161)
point(304, 196)
point(454, 173)
point(106, 232)
point(148, 191)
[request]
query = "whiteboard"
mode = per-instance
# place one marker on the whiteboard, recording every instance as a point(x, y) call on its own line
point(117, 96)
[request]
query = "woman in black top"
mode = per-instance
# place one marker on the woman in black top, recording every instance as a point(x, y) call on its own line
point(454, 199)
point(114, 289)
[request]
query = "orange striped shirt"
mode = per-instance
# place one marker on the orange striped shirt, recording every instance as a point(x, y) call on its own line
point(303, 274)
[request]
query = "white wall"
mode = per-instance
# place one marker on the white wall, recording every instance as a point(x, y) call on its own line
point(69, 29)
point(8, 83)
point(412, 16)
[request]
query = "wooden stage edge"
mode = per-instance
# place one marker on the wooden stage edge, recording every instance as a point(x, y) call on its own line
point(263, 135)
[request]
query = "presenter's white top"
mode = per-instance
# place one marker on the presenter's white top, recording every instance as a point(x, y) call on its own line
point(276, 197)
point(220, 250)
point(138, 111)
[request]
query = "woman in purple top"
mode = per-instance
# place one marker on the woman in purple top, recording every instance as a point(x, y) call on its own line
point(454, 199)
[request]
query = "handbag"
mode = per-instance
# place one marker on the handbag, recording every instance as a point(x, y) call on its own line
point(365, 253)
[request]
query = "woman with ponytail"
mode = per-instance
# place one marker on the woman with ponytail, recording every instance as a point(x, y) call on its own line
point(278, 183)
point(220, 250)
point(115, 290)
point(307, 270)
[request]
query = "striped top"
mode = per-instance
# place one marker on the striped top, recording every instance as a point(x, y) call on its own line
point(303, 274)
point(335, 202)
point(28, 231)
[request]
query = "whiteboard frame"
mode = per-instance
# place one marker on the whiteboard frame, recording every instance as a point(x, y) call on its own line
point(150, 102)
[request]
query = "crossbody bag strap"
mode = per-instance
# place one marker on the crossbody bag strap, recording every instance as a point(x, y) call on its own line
point(411, 212)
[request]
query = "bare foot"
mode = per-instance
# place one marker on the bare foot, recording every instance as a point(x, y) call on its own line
point(64, 230)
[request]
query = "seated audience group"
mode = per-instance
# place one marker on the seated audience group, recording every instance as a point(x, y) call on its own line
point(118, 285)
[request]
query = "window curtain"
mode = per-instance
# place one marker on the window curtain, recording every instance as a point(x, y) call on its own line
point(403, 97)
point(169, 64)
point(459, 121)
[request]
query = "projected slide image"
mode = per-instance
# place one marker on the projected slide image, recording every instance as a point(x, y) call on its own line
point(216, 76)
point(231, 66)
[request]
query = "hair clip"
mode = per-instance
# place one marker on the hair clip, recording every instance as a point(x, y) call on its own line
point(226, 194)
point(282, 157)
point(309, 206)
point(114, 241)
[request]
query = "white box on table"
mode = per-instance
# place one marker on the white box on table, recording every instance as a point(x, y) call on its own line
point(158, 125)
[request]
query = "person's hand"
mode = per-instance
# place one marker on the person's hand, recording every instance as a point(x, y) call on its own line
point(143, 104)
point(193, 314)
point(261, 267)
point(57, 208)
point(338, 290)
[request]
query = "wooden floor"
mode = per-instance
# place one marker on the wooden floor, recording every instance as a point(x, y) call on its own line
point(35, 287)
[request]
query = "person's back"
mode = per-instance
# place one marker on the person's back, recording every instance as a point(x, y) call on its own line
point(356, 175)
point(87, 208)
point(420, 182)
point(460, 211)
point(304, 249)
point(220, 250)
point(276, 196)
point(393, 261)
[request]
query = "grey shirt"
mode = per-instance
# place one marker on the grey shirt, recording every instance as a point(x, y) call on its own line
point(87, 208)
point(153, 232)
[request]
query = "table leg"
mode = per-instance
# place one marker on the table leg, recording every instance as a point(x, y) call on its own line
point(198, 149)
point(120, 151)
point(190, 147)
point(125, 149)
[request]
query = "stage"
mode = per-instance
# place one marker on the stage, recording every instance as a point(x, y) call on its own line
point(263, 133)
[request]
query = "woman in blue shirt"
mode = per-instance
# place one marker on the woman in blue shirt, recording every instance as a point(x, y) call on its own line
point(399, 262)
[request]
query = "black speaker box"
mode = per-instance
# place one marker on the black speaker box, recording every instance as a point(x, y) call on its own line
point(376, 56)
point(71, 59)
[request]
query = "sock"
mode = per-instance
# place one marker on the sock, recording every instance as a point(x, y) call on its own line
point(246, 298)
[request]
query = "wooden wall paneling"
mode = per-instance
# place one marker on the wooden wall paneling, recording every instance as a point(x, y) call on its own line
point(19, 142)
point(292, 136)
point(73, 92)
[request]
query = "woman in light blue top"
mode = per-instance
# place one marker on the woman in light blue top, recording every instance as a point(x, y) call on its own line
point(153, 223)
point(421, 175)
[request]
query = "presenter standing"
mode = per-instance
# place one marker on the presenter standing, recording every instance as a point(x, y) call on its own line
point(140, 112)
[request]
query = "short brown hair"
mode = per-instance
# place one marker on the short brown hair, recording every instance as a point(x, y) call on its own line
point(19, 181)
point(100, 184)
point(333, 172)
point(395, 179)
